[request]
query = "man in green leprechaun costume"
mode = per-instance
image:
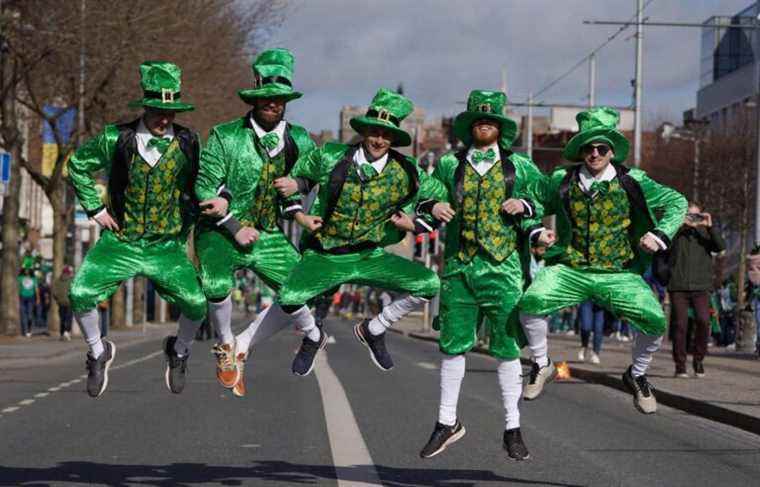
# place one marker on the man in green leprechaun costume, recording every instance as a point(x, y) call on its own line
point(151, 165)
point(365, 193)
point(610, 219)
point(490, 189)
point(242, 167)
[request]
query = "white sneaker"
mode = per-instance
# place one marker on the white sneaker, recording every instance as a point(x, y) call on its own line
point(570, 332)
point(28, 335)
point(595, 358)
point(67, 336)
point(582, 354)
point(625, 338)
point(616, 335)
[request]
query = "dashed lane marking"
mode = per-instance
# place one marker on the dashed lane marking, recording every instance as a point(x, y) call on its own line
point(69, 383)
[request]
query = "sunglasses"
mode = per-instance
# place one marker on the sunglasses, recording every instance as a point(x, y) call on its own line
point(602, 149)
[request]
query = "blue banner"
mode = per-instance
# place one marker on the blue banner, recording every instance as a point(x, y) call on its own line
point(65, 124)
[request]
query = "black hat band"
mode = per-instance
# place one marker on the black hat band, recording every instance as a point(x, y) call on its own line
point(166, 96)
point(383, 115)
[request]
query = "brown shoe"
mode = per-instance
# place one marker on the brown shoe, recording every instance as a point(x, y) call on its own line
point(239, 389)
point(227, 372)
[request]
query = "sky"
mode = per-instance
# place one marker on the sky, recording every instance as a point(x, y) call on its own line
point(441, 49)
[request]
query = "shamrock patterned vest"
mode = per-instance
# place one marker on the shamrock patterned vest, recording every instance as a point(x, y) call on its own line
point(600, 236)
point(483, 225)
point(152, 199)
point(362, 209)
point(265, 209)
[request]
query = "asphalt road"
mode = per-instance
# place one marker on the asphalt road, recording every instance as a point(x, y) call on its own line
point(347, 424)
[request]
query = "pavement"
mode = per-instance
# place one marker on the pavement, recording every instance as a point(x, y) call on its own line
point(729, 392)
point(347, 424)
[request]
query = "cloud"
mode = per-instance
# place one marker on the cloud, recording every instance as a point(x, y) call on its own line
point(442, 49)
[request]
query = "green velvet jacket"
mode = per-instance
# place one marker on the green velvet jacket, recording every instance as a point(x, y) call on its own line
point(231, 161)
point(654, 208)
point(328, 166)
point(521, 178)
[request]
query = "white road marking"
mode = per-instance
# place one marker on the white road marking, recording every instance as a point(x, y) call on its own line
point(331, 340)
point(428, 365)
point(63, 385)
point(353, 463)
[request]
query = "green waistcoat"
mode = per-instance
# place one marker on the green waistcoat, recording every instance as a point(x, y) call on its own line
point(482, 223)
point(600, 229)
point(362, 209)
point(266, 209)
point(153, 207)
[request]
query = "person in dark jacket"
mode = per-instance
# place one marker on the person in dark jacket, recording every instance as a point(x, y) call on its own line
point(690, 284)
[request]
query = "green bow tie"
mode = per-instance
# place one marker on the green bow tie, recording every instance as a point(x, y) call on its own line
point(368, 171)
point(479, 156)
point(600, 187)
point(159, 143)
point(270, 141)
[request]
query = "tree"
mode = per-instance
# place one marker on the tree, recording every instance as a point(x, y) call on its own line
point(85, 56)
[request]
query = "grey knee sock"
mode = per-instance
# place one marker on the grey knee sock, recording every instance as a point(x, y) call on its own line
point(536, 327)
point(186, 335)
point(220, 316)
point(270, 322)
point(643, 348)
point(393, 312)
point(89, 322)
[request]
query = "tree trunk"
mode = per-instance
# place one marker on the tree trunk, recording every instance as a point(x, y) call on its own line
point(138, 301)
point(59, 249)
point(744, 319)
point(117, 309)
point(9, 265)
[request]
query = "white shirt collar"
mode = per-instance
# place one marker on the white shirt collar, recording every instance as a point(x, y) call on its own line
point(360, 158)
point(586, 179)
point(279, 130)
point(151, 154)
point(483, 167)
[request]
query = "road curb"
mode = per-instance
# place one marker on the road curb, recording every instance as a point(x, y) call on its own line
point(687, 404)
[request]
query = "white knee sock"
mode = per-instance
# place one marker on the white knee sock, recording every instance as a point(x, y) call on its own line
point(186, 335)
point(452, 373)
point(392, 313)
point(89, 323)
point(270, 322)
point(536, 327)
point(510, 381)
point(643, 348)
point(220, 316)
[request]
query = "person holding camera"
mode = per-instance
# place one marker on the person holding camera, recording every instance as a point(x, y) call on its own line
point(690, 284)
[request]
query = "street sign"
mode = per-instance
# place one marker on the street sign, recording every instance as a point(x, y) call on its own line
point(5, 167)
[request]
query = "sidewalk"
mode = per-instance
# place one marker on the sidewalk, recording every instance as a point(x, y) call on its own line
point(729, 393)
point(21, 352)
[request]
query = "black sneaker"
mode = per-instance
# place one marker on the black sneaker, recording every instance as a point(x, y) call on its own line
point(642, 390)
point(699, 368)
point(375, 344)
point(442, 437)
point(176, 366)
point(97, 369)
point(303, 364)
point(513, 444)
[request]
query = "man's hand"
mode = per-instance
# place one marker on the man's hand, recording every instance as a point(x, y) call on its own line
point(443, 212)
point(648, 244)
point(547, 238)
point(311, 223)
point(707, 222)
point(214, 207)
point(105, 220)
point(246, 236)
point(402, 221)
point(286, 186)
point(513, 207)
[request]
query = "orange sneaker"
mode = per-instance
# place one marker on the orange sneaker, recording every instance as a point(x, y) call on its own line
point(227, 372)
point(239, 389)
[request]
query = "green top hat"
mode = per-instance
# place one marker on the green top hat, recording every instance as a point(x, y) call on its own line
point(598, 124)
point(160, 81)
point(387, 110)
point(482, 104)
point(272, 77)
